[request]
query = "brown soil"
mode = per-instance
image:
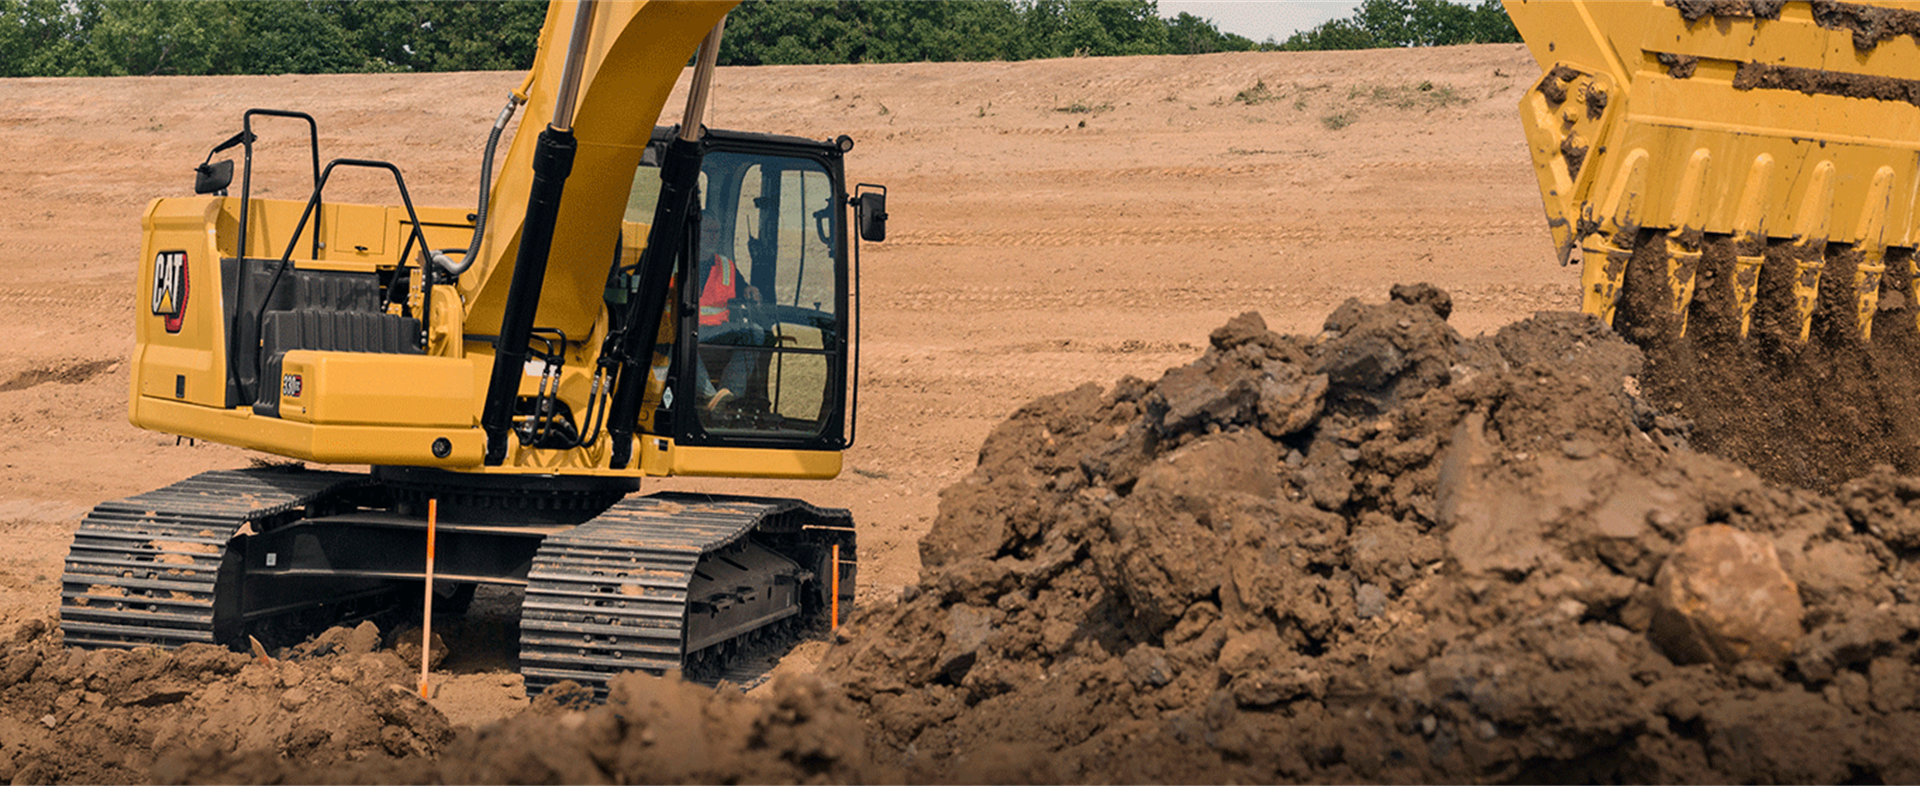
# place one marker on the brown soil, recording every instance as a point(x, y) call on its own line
point(1451, 573)
point(106, 716)
point(1814, 81)
point(1423, 539)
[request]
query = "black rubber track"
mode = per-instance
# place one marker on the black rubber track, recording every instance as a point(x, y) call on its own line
point(142, 570)
point(611, 595)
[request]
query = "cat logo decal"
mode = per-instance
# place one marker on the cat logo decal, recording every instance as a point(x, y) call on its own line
point(170, 288)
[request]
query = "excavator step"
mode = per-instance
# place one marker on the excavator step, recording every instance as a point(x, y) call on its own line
point(145, 570)
point(679, 582)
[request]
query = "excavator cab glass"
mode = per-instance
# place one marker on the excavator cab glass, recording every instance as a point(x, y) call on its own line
point(760, 348)
point(768, 316)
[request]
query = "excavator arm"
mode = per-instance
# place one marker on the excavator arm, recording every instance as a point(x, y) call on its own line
point(634, 53)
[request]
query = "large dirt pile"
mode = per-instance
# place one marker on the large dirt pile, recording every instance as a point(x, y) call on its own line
point(1385, 553)
point(335, 710)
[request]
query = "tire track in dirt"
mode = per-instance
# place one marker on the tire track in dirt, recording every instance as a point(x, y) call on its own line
point(62, 297)
point(921, 298)
point(1186, 234)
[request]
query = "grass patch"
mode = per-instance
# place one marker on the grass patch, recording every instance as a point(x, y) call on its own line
point(1258, 94)
point(1083, 108)
point(1263, 93)
point(1425, 96)
point(1339, 120)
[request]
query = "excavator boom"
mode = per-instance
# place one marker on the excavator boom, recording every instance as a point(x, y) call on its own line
point(635, 52)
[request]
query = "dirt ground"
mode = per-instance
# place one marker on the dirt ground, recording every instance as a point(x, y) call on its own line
point(1054, 224)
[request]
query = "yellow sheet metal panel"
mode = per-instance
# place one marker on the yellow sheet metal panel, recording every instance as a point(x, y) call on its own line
point(354, 231)
point(661, 457)
point(1562, 116)
point(1734, 151)
point(352, 237)
point(179, 347)
point(331, 444)
point(1795, 39)
point(754, 463)
point(413, 447)
point(656, 455)
point(1714, 105)
point(365, 388)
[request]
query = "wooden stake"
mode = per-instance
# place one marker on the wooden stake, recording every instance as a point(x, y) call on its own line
point(836, 587)
point(426, 607)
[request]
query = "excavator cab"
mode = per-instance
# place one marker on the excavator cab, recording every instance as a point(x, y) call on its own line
point(756, 349)
point(763, 303)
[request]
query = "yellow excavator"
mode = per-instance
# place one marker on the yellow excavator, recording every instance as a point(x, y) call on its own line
point(625, 301)
point(1732, 166)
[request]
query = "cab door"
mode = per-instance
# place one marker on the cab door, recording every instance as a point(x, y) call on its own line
point(763, 304)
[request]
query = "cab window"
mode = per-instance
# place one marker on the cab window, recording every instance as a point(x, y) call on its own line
point(767, 331)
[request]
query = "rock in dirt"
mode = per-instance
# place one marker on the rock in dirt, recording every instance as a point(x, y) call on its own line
point(1723, 597)
point(406, 644)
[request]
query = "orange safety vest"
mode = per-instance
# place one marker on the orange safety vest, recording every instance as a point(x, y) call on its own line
point(721, 287)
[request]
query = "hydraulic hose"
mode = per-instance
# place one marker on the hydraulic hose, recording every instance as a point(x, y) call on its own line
point(486, 186)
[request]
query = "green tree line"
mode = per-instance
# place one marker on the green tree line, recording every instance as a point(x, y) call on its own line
point(221, 37)
point(891, 31)
point(1380, 24)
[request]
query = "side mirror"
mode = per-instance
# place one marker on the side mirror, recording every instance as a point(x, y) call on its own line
point(870, 211)
point(213, 178)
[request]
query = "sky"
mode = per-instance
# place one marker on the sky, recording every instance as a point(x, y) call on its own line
point(1261, 19)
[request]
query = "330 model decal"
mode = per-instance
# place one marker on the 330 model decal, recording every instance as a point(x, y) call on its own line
point(170, 288)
